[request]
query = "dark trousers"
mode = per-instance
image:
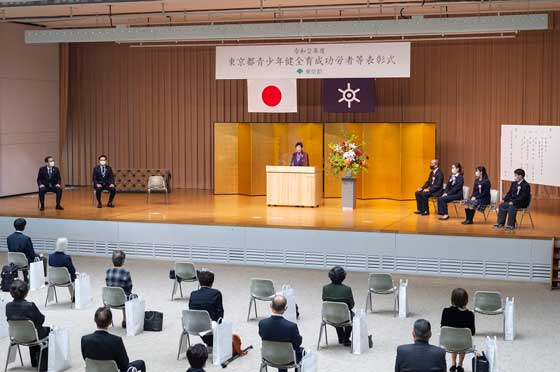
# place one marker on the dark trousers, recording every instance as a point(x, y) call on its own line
point(509, 211)
point(99, 190)
point(208, 340)
point(46, 189)
point(442, 203)
point(137, 365)
point(343, 333)
point(34, 351)
point(469, 214)
point(422, 197)
point(26, 272)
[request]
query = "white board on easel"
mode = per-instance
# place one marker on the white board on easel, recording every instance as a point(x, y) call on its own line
point(535, 149)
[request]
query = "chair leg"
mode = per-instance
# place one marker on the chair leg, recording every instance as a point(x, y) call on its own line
point(20, 358)
point(249, 312)
point(255, 303)
point(180, 344)
point(531, 219)
point(40, 357)
point(521, 220)
point(55, 295)
point(326, 335)
point(174, 289)
point(396, 303)
point(181, 289)
point(47, 298)
point(367, 299)
point(8, 357)
point(320, 335)
point(456, 210)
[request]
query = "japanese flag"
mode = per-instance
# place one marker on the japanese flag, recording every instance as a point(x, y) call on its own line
point(272, 95)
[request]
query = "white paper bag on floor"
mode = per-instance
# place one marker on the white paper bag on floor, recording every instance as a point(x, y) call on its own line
point(59, 350)
point(403, 299)
point(310, 362)
point(360, 342)
point(3, 321)
point(491, 352)
point(134, 310)
point(83, 296)
point(222, 347)
point(509, 319)
point(290, 294)
point(36, 275)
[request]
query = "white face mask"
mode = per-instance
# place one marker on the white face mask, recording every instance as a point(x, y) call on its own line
point(477, 174)
point(102, 162)
point(51, 163)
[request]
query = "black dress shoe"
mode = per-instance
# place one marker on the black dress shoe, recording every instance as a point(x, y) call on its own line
point(99, 205)
point(123, 324)
point(467, 222)
point(510, 228)
point(498, 225)
point(42, 208)
point(460, 369)
point(418, 212)
point(110, 205)
point(347, 343)
point(59, 207)
point(425, 214)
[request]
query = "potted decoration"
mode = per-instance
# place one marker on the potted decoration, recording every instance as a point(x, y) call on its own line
point(347, 158)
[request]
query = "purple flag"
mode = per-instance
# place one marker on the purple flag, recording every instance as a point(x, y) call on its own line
point(349, 95)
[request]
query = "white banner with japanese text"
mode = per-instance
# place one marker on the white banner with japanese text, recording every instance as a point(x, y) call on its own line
point(313, 61)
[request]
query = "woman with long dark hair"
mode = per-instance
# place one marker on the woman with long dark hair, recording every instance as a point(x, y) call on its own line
point(453, 190)
point(480, 196)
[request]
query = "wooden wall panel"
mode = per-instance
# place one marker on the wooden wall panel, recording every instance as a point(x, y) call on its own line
point(155, 107)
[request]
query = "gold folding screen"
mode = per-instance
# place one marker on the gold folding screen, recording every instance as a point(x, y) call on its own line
point(399, 154)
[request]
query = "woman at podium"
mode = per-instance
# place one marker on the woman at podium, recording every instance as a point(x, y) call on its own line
point(299, 158)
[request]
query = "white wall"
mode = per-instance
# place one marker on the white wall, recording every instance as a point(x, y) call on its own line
point(29, 106)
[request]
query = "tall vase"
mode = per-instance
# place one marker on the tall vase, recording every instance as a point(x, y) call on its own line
point(348, 192)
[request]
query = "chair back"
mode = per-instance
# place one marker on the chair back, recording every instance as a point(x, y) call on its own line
point(113, 296)
point(488, 302)
point(278, 354)
point(335, 312)
point(58, 275)
point(94, 365)
point(528, 208)
point(19, 259)
point(156, 183)
point(455, 340)
point(196, 321)
point(466, 191)
point(494, 196)
point(185, 271)
point(381, 282)
point(22, 331)
point(262, 288)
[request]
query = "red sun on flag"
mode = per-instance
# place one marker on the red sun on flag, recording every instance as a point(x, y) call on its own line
point(271, 95)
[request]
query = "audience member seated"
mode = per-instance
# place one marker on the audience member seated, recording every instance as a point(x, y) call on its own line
point(338, 292)
point(197, 356)
point(60, 259)
point(277, 328)
point(518, 196)
point(207, 298)
point(453, 190)
point(101, 345)
point(433, 187)
point(117, 276)
point(458, 316)
point(420, 356)
point(20, 309)
point(480, 196)
point(20, 243)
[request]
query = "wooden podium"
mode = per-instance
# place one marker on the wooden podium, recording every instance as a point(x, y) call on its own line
point(294, 186)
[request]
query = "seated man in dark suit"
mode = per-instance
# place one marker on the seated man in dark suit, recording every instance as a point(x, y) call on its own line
point(101, 345)
point(207, 298)
point(103, 179)
point(197, 356)
point(518, 197)
point(20, 309)
point(21, 243)
point(49, 180)
point(433, 187)
point(277, 328)
point(420, 356)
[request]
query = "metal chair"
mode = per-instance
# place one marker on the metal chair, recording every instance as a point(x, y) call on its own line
point(156, 183)
point(382, 284)
point(184, 272)
point(195, 322)
point(493, 206)
point(23, 332)
point(466, 192)
point(526, 211)
point(457, 340)
point(279, 355)
point(19, 259)
point(114, 298)
point(58, 277)
point(261, 289)
point(488, 303)
point(433, 199)
point(335, 314)
point(94, 365)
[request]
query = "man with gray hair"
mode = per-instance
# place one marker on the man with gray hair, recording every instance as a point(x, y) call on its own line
point(420, 356)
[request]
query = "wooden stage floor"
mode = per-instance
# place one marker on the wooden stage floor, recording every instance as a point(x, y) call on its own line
point(203, 208)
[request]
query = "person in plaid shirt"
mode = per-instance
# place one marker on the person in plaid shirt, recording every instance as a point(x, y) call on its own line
point(118, 276)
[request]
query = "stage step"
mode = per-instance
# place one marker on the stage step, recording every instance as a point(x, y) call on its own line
point(555, 264)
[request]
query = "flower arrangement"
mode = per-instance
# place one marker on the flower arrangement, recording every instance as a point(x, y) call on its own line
point(347, 157)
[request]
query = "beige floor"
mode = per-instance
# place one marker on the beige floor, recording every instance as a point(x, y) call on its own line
point(535, 348)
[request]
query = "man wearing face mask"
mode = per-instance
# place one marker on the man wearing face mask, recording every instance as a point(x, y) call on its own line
point(103, 179)
point(49, 180)
point(433, 187)
point(518, 197)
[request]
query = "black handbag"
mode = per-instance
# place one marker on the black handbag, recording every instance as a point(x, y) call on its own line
point(153, 321)
point(482, 364)
point(172, 274)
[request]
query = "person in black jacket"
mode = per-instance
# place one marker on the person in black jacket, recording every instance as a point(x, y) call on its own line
point(101, 345)
point(103, 179)
point(420, 356)
point(518, 196)
point(207, 298)
point(433, 187)
point(197, 356)
point(480, 196)
point(20, 243)
point(453, 191)
point(49, 180)
point(20, 309)
point(277, 328)
point(60, 259)
point(458, 316)
point(338, 292)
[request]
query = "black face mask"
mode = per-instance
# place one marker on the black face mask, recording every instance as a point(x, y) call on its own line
point(432, 167)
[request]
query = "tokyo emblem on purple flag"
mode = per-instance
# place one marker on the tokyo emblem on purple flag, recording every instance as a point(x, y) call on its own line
point(349, 95)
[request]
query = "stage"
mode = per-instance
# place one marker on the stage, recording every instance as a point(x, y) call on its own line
point(378, 235)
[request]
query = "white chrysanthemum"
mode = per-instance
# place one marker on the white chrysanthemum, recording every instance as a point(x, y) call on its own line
point(352, 146)
point(349, 155)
